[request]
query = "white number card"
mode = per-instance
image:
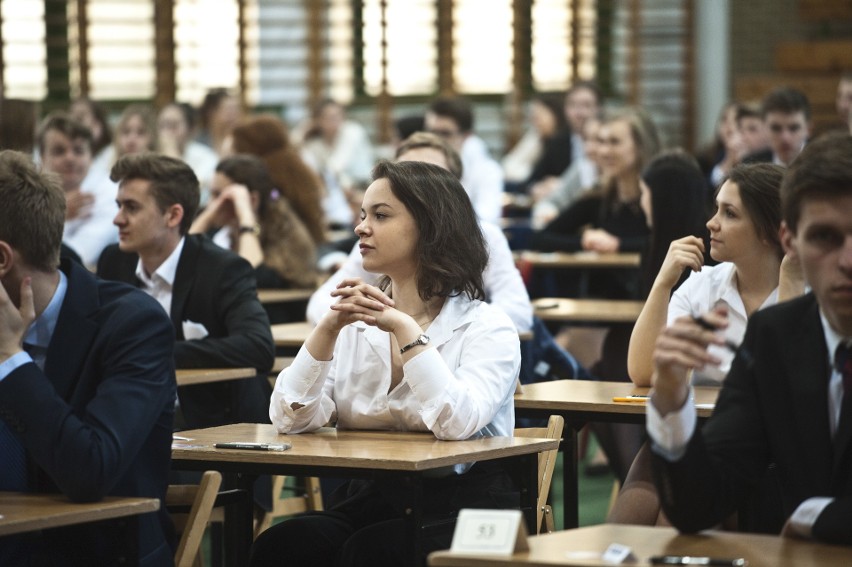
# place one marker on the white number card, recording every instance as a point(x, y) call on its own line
point(489, 532)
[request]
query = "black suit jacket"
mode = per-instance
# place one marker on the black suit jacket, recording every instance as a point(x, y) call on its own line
point(98, 420)
point(772, 412)
point(215, 288)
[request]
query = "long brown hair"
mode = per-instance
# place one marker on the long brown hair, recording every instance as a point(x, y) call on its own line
point(265, 136)
point(286, 243)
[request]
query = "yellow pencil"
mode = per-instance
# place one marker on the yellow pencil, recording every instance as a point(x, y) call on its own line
point(631, 399)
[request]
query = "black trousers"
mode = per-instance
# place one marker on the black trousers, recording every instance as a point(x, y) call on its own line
point(367, 526)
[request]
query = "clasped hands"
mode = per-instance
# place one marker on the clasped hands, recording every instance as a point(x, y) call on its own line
point(359, 301)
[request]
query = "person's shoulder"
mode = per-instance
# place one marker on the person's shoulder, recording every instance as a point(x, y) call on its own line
point(113, 261)
point(210, 253)
point(793, 311)
point(481, 313)
point(113, 297)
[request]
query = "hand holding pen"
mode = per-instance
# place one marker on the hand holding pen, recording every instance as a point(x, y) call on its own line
point(680, 348)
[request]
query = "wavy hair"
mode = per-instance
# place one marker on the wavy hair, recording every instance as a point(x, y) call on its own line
point(450, 247)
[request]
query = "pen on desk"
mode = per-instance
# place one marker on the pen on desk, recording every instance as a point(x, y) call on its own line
point(632, 399)
point(254, 446)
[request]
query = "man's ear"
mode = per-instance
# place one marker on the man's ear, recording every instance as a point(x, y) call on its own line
point(787, 237)
point(7, 258)
point(174, 215)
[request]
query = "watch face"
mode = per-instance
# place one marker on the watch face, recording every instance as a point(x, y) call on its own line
point(423, 340)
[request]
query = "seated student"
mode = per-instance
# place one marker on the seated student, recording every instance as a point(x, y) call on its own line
point(175, 124)
point(504, 286)
point(209, 292)
point(86, 408)
point(744, 239)
point(482, 178)
point(65, 149)
point(786, 398)
point(787, 116)
point(420, 352)
point(255, 221)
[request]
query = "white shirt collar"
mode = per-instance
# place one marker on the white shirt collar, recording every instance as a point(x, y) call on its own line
point(166, 271)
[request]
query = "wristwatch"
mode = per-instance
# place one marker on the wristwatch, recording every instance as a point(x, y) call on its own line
point(421, 340)
point(254, 229)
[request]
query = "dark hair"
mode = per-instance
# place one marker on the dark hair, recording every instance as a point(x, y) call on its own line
point(429, 140)
point(408, 125)
point(64, 123)
point(212, 100)
point(678, 207)
point(759, 186)
point(786, 100)
point(99, 112)
point(32, 215)
point(172, 182)
point(747, 111)
point(822, 170)
point(554, 104)
point(450, 245)
point(456, 109)
point(587, 85)
point(288, 247)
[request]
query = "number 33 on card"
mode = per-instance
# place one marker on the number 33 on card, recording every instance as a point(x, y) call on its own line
point(489, 532)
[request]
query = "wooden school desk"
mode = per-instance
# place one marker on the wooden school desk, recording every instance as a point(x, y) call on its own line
point(291, 335)
point(582, 401)
point(31, 512)
point(348, 454)
point(583, 548)
point(284, 295)
point(191, 376)
point(582, 260)
point(587, 310)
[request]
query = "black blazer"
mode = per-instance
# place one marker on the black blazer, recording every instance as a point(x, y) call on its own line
point(98, 420)
point(772, 410)
point(215, 288)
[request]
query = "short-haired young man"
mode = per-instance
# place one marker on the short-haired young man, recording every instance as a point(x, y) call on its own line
point(65, 146)
point(87, 384)
point(787, 117)
point(209, 292)
point(786, 403)
point(482, 177)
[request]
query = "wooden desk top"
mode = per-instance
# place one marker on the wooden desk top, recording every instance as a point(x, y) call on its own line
point(31, 512)
point(328, 447)
point(583, 547)
point(191, 376)
point(294, 334)
point(587, 310)
point(593, 396)
point(284, 295)
point(291, 334)
point(578, 259)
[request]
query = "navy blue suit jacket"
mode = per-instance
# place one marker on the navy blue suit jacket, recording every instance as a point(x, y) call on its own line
point(216, 288)
point(772, 414)
point(98, 420)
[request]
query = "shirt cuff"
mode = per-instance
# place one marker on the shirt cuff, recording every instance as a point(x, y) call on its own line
point(671, 434)
point(13, 363)
point(803, 519)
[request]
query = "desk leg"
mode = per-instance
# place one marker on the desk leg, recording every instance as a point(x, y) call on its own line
point(414, 521)
point(570, 478)
point(239, 520)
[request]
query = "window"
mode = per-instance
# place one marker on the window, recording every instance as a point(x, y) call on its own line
point(25, 66)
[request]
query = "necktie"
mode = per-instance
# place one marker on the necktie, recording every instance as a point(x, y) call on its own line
point(843, 363)
point(13, 460)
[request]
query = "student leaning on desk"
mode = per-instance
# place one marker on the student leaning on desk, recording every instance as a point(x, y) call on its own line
point(419, 352)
